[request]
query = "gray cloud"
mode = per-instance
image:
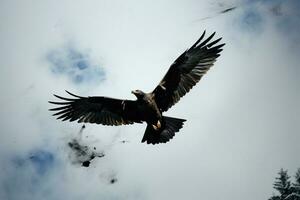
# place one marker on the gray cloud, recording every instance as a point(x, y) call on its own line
point(251, 20)
point(27, 175)
point(75, 65)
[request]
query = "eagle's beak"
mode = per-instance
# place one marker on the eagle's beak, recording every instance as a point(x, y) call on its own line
point(133, 92)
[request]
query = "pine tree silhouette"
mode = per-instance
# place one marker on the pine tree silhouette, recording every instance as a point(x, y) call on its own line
point(282, 185)
point(285, 189)
point(296, 186)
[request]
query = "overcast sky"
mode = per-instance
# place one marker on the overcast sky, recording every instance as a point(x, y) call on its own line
point(243, 120)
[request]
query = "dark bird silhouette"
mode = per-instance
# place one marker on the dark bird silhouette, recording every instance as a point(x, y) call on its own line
point(182, 75)
point(224, 11)
point(228, 10)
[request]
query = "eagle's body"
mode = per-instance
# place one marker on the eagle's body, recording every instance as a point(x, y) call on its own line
point(183, 74)
point(147, 107)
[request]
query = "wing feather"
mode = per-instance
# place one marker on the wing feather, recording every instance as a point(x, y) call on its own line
point(186, 71)
point(99, 110)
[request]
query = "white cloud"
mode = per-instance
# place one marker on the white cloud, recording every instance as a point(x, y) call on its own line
point(242, 117)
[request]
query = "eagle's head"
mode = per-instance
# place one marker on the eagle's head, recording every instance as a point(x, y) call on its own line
point(138, 93)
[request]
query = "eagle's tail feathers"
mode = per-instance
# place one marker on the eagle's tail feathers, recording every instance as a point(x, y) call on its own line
point(169, 127)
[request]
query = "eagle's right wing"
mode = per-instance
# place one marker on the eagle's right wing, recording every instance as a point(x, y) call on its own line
point(186, 71)
point(99, 110)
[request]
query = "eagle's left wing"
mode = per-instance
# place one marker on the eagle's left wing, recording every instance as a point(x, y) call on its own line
point(186, 71)
point(99, 110)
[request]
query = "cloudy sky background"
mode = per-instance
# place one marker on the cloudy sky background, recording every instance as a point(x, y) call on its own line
point(242, 118)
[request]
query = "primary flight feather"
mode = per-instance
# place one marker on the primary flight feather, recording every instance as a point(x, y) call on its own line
point(182, 75)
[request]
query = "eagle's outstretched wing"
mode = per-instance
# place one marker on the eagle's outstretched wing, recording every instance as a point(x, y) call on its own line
point(99, 110)
point(186, 71)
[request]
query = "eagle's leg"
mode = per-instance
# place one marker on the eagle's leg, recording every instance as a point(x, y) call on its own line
point(157, 126)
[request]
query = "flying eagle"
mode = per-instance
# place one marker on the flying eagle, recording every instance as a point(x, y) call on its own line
point(182, 75)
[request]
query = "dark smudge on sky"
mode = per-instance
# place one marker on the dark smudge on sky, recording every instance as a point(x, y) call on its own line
point(83, 154)
point(228, 10)
point(113, 180)
point(224, 11)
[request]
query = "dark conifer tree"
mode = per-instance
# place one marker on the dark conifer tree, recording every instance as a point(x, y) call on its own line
point(283, 186)
point(296, 186)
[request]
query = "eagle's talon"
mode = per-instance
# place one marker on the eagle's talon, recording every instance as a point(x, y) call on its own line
point(157, 126)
